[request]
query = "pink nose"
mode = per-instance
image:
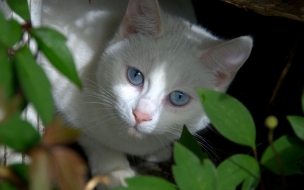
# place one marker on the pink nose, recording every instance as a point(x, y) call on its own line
point(141, 117)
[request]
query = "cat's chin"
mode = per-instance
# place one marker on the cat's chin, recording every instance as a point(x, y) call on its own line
point(135, 133)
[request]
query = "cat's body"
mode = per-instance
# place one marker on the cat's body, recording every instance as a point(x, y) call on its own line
point(119, 111)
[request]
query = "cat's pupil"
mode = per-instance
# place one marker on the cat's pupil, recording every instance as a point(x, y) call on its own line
point(136, 73)
point(180, 95)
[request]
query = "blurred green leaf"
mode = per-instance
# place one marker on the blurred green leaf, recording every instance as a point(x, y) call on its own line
point(147, 183)
point(4, 185)
point(21, 8)
point(21, 170)
point(302, 100)
point(10, 32)
point(4, 32)
point(290, 151)
point(18, 134)
point(189, 173)
point(229, 116)
point(236, 169)
point(189, 142)
point(15, 31)
point(35, 84)
point(52, 44)
point(6, 74)
point(297, 124)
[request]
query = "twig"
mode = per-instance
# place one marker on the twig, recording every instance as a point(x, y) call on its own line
point(255, 153)
point(270, 140)
point(283, 74)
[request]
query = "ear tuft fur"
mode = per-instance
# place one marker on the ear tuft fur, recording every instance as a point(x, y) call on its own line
point(142, 16)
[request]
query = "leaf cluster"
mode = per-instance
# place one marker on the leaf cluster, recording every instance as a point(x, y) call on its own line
point(193, 170)
point(23, 81)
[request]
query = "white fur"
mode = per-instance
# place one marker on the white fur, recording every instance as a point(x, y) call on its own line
point(172, 54)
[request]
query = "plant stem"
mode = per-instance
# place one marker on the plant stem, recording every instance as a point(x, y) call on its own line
point(255, 153)
point(270, 140)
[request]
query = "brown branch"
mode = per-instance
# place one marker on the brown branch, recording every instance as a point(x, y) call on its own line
point(293, 9)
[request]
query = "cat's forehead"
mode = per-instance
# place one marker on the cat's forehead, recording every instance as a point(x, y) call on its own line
point(171, 61)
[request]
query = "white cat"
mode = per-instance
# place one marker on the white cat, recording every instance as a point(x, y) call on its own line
point(140, 67)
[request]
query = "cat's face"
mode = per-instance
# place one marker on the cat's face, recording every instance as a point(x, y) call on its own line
point(154, 82)
point(153, 66)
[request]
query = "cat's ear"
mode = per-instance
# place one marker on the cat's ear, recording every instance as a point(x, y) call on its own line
point(142, 16)
point(226, 59)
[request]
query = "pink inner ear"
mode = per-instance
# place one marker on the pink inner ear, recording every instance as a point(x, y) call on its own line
point(221, 78)
point(127, 28)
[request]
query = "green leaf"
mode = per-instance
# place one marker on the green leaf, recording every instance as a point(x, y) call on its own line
point(10, 32)
point(18, 134)
point(52, 44)
point(21, 8)
point(21, 170)
point(35, 84)
point(189, 173)
point(297, 124)
point(302, 100)
point(236, 169)
point(15, 31)
point(6, 74)
point(4, 32)
point(229, 116)
point(291, 153)
point(4, 185)
point(147, 183)
point(189, 142)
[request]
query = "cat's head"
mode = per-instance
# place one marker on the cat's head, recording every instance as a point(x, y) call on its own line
point(154, 65)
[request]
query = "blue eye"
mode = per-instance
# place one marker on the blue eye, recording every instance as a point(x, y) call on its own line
point(135, 76)
point(178, 98)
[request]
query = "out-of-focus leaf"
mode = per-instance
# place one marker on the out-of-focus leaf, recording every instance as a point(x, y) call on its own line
point(35, 84)
point(189, 142)
point(10, 32)
point(189, 173)
point(18, 134)
point(302, 100)
point(69, 169)
point(10, 176)
point(57, 134)
point(21, 8)
point(21, 170)
point(4, 32)
point(4, 185)
point(6, 74)
point(297, 124)
point(229, 116)
point(290, 151)
point(15, 31)
point(236, 169)
point(52, 44)
point(147, 183)
point(39, 170)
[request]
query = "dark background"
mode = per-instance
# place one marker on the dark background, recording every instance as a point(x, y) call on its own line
point(275, 40)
